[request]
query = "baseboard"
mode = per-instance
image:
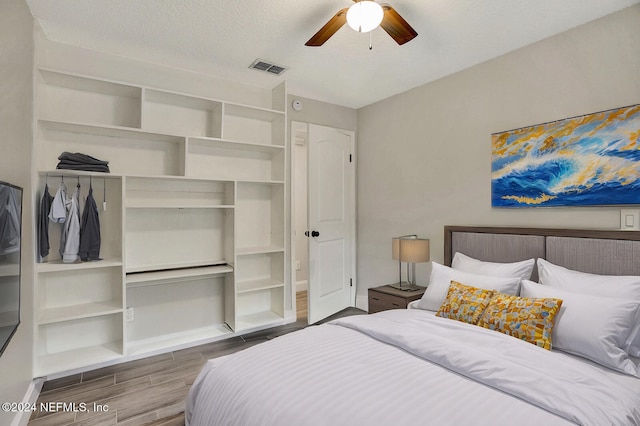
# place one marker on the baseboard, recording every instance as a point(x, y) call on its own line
point(30, 398)
point(302, 286)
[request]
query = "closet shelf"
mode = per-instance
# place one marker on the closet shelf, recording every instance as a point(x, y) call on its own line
point(192, 179)
point(91, 83)
point(108, 131)
point(251, 112)
point(59, 266)
point(262, 182)
point(176, 340)
point(160, 277)
point(243, 251)
point(259, 319)
point(235, 145)
point(170, 267)
point(9, 270)
point(168, 205)
point(78, 358)
point(84, 310)
point(88, 84)
point(57, 173)
point(258, 285)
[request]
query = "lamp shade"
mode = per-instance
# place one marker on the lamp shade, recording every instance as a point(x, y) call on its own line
point(410, 250)
point(364, 16)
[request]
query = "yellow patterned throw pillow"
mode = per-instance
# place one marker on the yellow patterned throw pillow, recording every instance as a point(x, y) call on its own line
point(464, 303)
point(527, 319)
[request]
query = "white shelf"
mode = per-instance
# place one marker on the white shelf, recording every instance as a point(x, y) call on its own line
point(84, 310)
point(257, 285)
point(260, 319)
point(215, 158)
point(161, 239)
point(11, 270)
point(251, 112)
point(190, 338)
point(245, 251)
point(78, 358)
point(192, 179)
point(182, 193)
point(169, 266)
point(236, 145)
point(177, 99)
point(161, 277)
point(88, 84)
point(59, 266)
point(88, 99)
point(249, 124)
point(108, 131)
point(55, 173)
point(262, 182)
point(169, 205)
point(166, 111)
point(126, 149)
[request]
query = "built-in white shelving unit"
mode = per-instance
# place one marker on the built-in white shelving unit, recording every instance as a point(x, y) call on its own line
point(193, 233)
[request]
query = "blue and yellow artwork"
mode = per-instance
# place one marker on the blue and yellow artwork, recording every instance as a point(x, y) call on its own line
point(591, 160)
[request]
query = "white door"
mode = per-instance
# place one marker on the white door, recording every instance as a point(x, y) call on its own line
point(331, 208)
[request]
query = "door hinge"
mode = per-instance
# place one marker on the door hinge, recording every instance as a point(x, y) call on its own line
point(350, 282)
point(350, 158)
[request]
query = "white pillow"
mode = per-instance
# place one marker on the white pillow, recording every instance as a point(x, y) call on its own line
point(614, 286)
point(522, 269)
point(441, 277)
point(590, 326)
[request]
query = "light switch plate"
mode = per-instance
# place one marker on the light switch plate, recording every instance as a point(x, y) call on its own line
point(630, 219)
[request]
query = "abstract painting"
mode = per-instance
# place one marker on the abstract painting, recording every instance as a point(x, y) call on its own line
point(590, 160)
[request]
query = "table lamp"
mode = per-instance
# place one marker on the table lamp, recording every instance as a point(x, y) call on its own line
point(411, 250)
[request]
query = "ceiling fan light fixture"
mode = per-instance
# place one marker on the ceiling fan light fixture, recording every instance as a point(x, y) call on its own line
point(364, 16)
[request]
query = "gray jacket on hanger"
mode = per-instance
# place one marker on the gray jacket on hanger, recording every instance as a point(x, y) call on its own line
point(90, 230)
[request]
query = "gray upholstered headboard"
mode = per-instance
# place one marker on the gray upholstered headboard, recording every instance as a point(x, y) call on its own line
point(593, 251)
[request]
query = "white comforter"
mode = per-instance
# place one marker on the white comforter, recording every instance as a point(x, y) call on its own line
point(406, 367)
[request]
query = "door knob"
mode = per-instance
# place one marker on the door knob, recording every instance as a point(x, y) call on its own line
point(315, 234)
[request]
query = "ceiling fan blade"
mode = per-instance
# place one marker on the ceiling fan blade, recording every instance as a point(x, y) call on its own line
point(329, 29)
point(396, 26)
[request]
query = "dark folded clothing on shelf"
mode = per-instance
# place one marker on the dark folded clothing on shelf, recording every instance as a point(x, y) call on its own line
point(84, 167)
point(79, 161)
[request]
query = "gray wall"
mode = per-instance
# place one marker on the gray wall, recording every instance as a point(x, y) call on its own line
point(424, 155)
point(16, 63)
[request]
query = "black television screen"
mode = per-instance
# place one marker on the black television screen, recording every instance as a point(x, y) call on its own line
point(10, 251)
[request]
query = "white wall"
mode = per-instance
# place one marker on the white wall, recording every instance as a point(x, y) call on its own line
point(16, 63)
point(424, 155)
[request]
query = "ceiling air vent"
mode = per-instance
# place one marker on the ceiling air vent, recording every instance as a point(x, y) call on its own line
point(266, 66)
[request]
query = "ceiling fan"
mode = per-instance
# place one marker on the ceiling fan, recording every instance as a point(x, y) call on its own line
point(364, 16)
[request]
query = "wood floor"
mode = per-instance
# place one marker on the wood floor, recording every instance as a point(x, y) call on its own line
point(149, 391)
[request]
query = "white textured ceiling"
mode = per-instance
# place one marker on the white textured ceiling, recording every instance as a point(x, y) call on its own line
point(223, 37)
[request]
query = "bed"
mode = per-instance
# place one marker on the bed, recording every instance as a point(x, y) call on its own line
point(435, 364)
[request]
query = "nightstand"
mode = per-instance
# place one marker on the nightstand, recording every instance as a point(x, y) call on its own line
point(386, 297)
